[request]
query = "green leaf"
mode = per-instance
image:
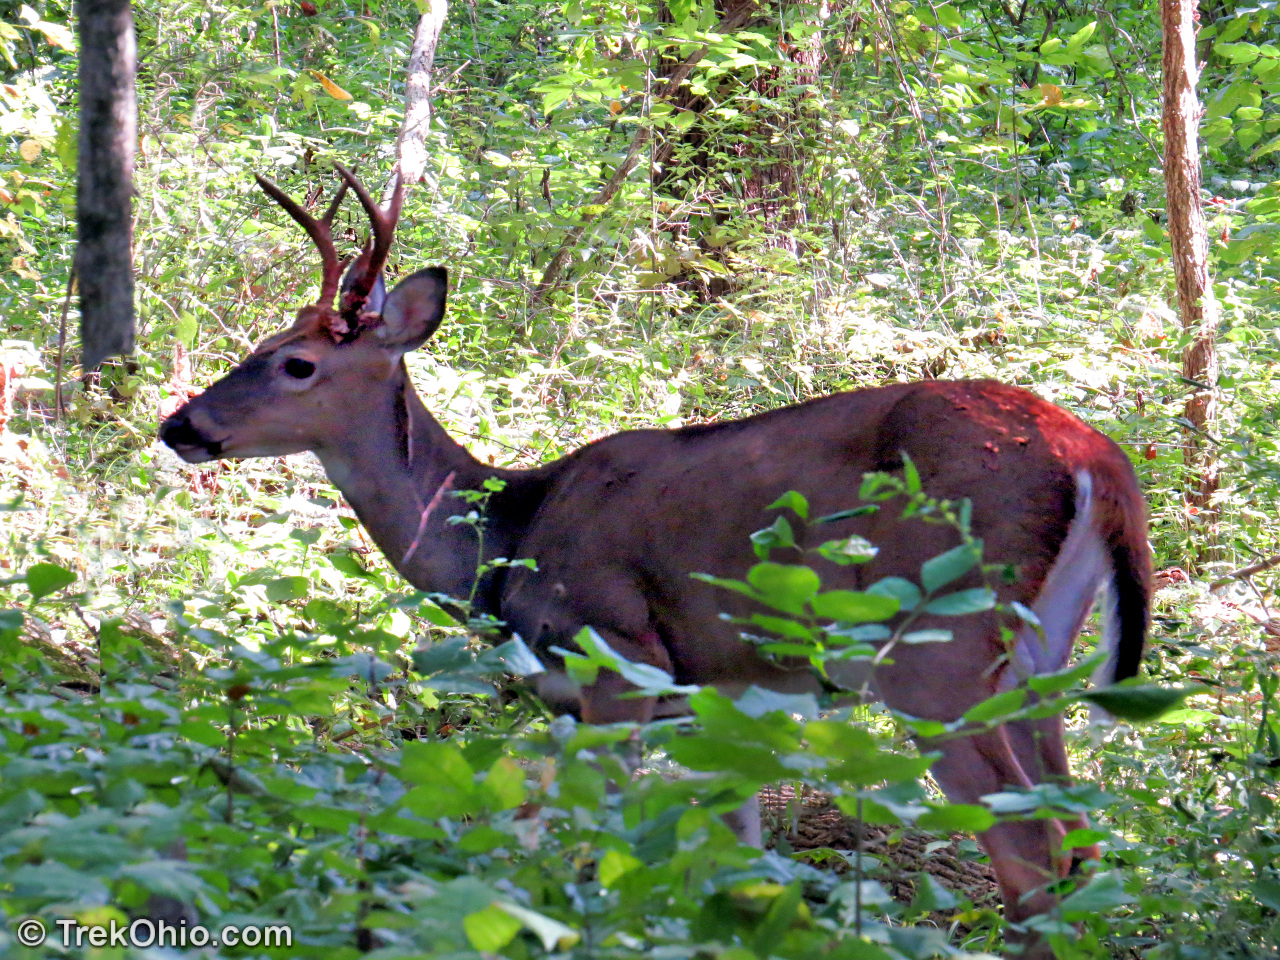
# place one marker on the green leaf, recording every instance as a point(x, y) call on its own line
point(904, 591)
point(852, 549)
point(1083, 837)
point(910, 474)
point(785, 587)
point(1000, 705)
point(504, 785)
point(779, 534)
point(794, 501)
point(931, 895)
point(782, 626)
point(847, 514)
point(324, 612)
point(927, 636)
point(1105, 892)
point(491, 929)
point(518, 659)
point(949, 16)
point(1139, 703)
point(851, 606)
point(957, 818)
point(46, 578)
point(615, 865)
point(974, 600)
point(938, 571)
point(1081, 36)
point(1237, 52)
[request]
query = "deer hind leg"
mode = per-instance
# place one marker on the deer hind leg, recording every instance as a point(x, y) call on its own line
point(1021, 852)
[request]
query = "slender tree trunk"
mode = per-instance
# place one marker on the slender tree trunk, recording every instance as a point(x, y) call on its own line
point(1197, 308)
point(411, 145)
point(108, 132)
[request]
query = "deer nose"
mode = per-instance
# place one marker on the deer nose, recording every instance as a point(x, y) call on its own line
point(180, 434)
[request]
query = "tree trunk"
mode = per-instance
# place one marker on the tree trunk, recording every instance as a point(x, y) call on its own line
point(108, 132)
point(1197, 308)
point(411, 145)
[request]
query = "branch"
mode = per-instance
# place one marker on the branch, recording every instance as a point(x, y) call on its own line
point(1245, 573)
point(733, 20)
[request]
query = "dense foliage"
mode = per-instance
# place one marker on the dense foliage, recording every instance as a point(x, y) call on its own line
point(216, 708)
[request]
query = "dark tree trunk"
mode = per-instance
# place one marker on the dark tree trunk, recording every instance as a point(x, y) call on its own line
point(1197, 308)
point(108, 132)
point(760, 160)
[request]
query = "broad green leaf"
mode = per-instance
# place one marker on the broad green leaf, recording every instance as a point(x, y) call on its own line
point(1139, 703)
point(615, 865)
point(779, 534)
point(782, 626)
point(1000, 705)
point(937, 572)
point(491, 929)
point(785, 587)
point(1237, 52)
point(794, 501)
point(974, 600)
point(504, 785)
point(1083, 837)
point(1105, 892)
point(1081, 36)
point(518, 659)
point(851, 606)
point(957, 817)
point(853, 549)
point(904, 591)
point(46, 578)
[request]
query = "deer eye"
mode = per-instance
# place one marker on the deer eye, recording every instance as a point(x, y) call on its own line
point(298, 368)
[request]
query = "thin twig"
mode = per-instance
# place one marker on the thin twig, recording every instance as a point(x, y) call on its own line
point(445, 487)
point(58, 410)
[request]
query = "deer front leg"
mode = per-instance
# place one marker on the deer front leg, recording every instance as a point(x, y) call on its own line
point(1043, 756)
point(1022, 852)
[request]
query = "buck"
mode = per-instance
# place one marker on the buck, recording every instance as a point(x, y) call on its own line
point(617, 526)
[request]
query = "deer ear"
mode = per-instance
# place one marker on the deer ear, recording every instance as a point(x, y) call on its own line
point(414, 308)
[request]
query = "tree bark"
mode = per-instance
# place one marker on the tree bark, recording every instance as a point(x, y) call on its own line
point(1188, 233)
point(411, 145)
point(104, 196)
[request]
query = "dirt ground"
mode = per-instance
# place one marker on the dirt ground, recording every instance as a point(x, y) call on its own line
point(817, 823)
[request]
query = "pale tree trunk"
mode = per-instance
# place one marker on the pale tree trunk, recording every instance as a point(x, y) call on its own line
point(104, 195)
point(411, 145)
point(1197, 308)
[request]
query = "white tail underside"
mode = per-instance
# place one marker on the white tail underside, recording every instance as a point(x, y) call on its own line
point(1080, 570)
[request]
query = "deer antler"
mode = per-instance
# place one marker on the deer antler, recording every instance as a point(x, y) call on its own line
point(320, 231)
point(364, 274)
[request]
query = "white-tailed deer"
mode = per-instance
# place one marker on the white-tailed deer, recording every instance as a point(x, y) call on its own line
point(618, 526)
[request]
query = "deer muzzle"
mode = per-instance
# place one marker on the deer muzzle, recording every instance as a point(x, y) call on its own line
point(187, 440)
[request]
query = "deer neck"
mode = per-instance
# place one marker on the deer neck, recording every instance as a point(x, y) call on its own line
point(399, 470)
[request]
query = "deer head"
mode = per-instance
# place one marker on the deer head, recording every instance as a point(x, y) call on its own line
point(301, 388)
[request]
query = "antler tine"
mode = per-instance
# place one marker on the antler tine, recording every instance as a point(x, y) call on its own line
point(318, 230)
point(384, 228)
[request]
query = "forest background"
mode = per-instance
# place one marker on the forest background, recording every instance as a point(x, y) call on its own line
point(212, 704)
